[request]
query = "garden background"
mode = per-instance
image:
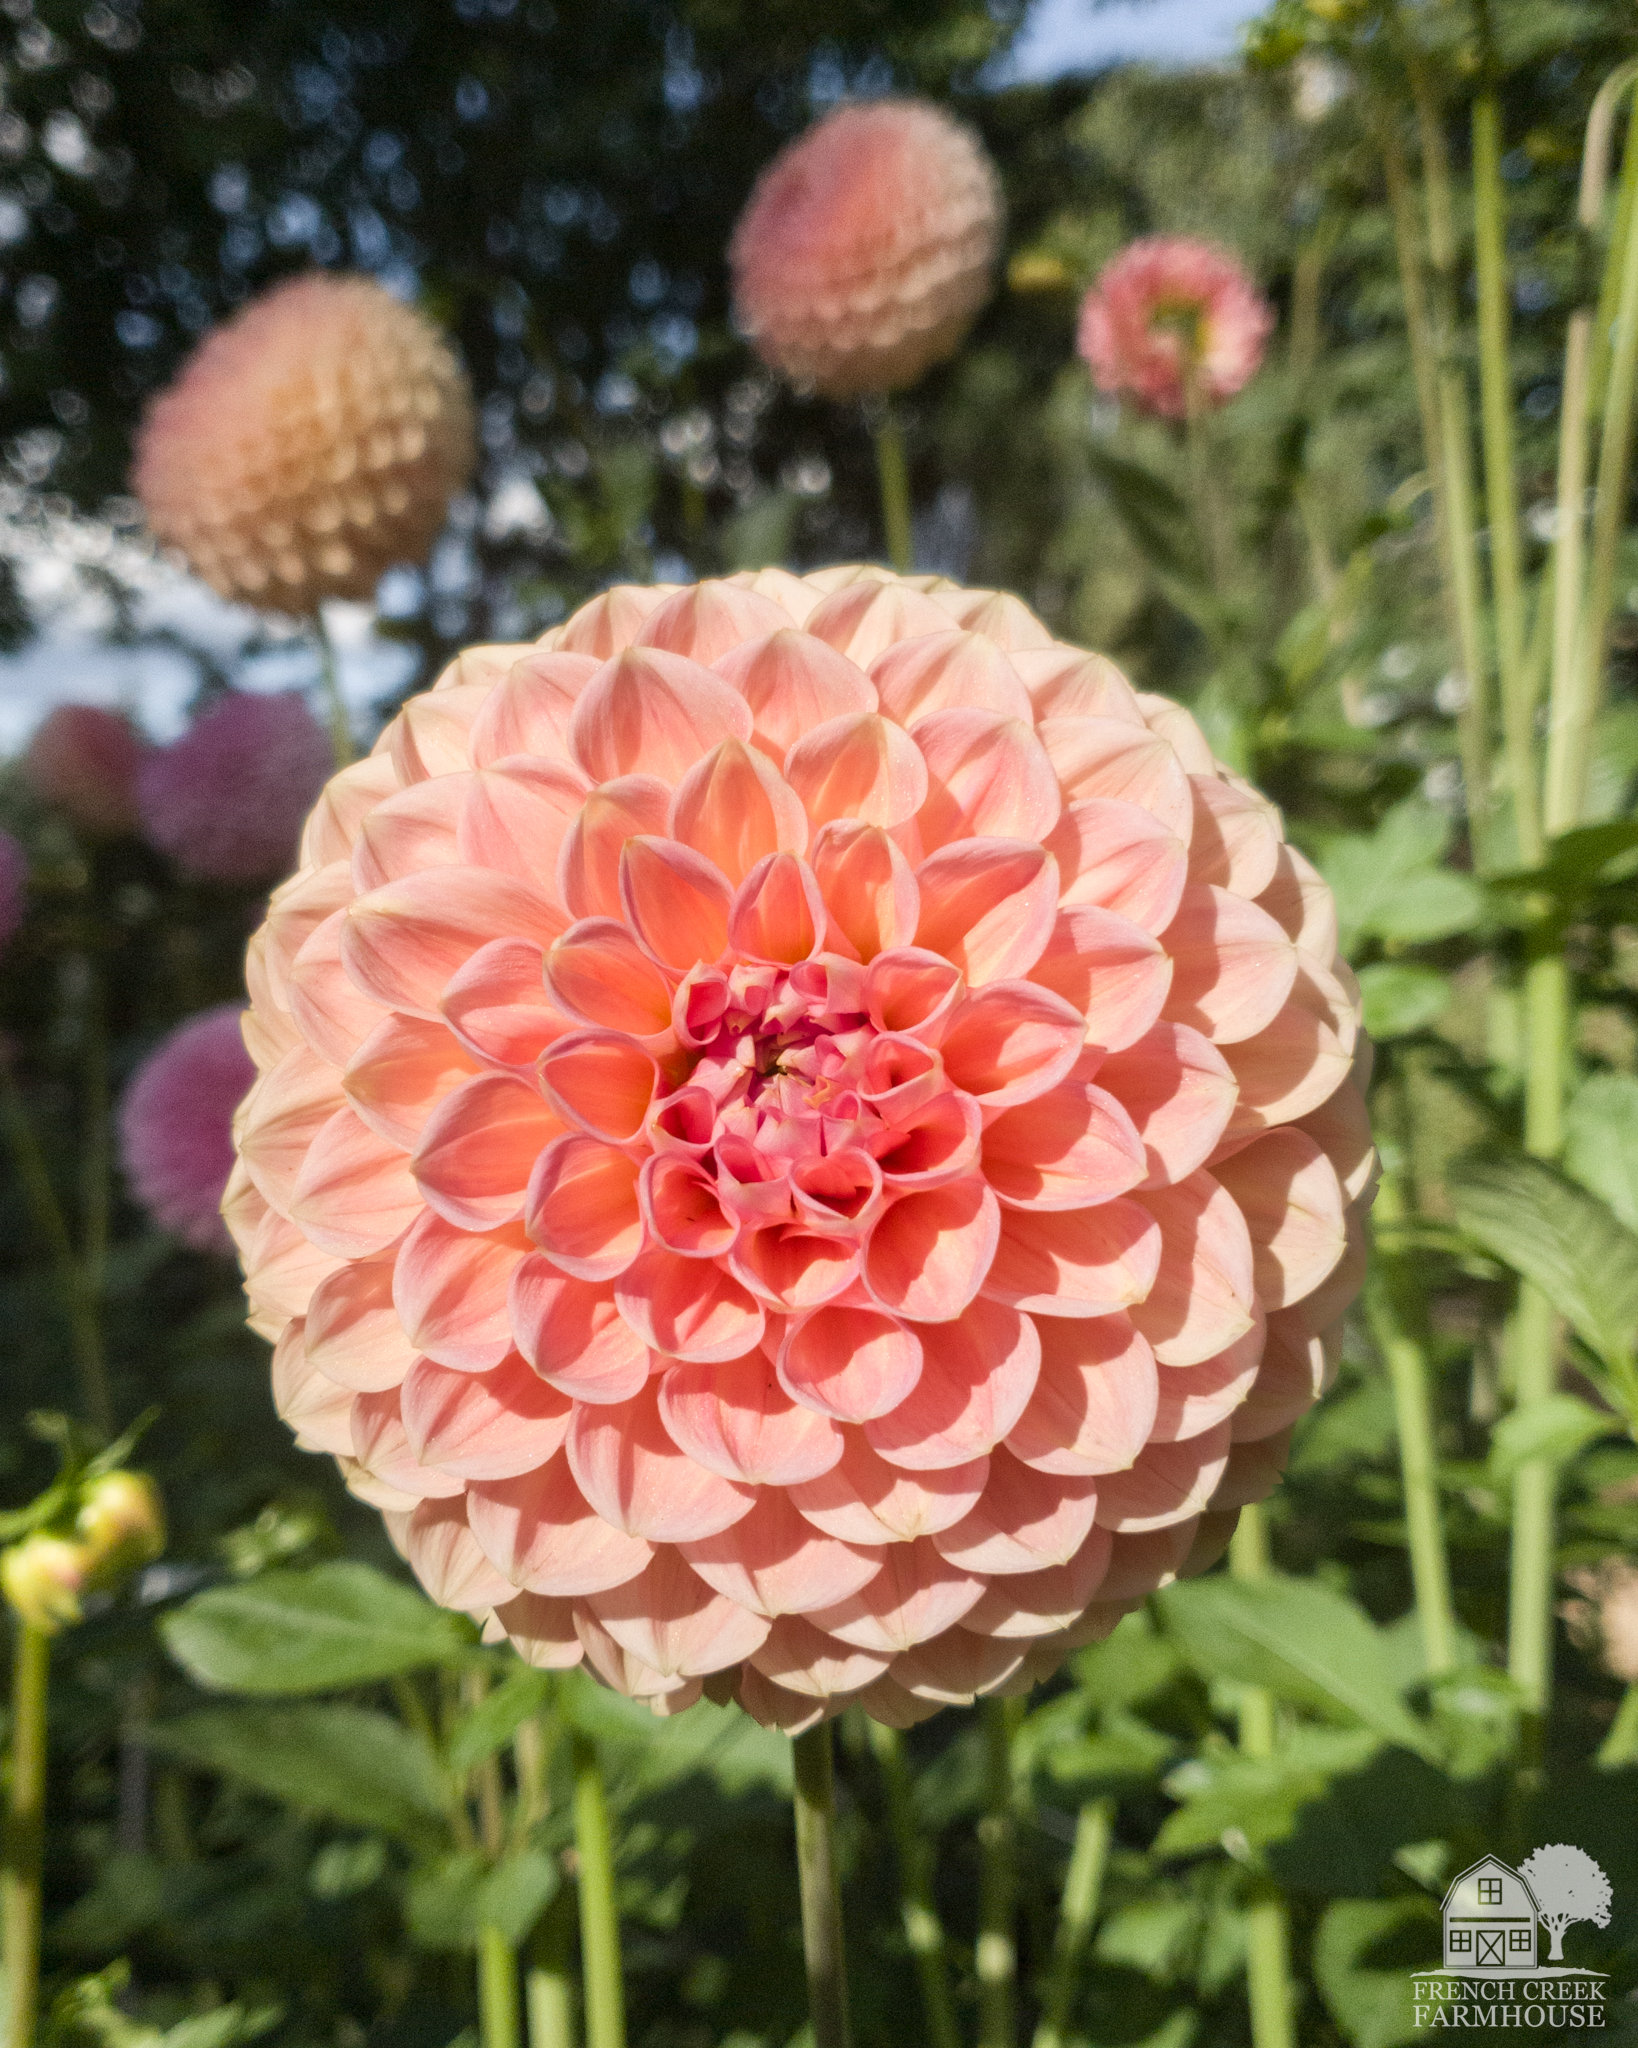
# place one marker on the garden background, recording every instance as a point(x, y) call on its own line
point(243, 1844)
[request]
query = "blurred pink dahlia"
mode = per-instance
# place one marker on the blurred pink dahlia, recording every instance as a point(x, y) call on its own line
point(1169, 307)
point(226, 800)
point(804, 1142)
point(866, 247)
point(308, 444)
point(84, 761)
point(176, 1125)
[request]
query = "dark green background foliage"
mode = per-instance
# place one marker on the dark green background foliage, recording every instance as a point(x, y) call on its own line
point(263, 1834)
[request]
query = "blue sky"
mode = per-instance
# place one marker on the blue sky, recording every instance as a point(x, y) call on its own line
point(1066, 36)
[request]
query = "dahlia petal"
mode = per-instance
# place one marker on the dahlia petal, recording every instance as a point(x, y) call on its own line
point(795, 1269)
point(900, 1077)
point(401, 1072)
point(649, 713)
point(675, 901)
point(541, 1532)
point(355, 1193)
point(1169, 1483)
point(382, 1447)
point(927, 1256)
point(852, 1364)
point(946, 672)
point(573, 1335)
point(988, 905)
point(1296, 1369)
point(774, 1562)
point(957, 1667)
point(1026, 1605)
point(282, 1268)
point(1297, 1062)
point(478, 1149)
point(295, 911)
point(1180, 729)
point(482, 1425)
point(1070, 1148)
point(528, 710)
point(679, 1202)
point(1194, 1398)
point(1025, 1520)
point(708, 620)
point(1076, 1262)
point(403, 943)
point(772, 1706)
point(1293, 1204)
point(330, 1010)
point(626, 1465)
point(912, 991)
point(867, 884)
point(864, 1499)
point(804, 1660)
point(1143, 1560)
point(430, 734)
point(1341, 1127)
point(735, 1419)
point(515, 816)
point(624, 1673)
point(778, 913)
point(444, 1555)
point(588, 862)
point(862, 619)
point(1105, 757)
point(486, 663)
point(281, 1117)
point(1212, 1537)
point(314, 1406)
point(1065, 683)
point(688, 1308)
point(597, 972)
point(1109, 970)
point(735, 808)
point(997, 614)
point(497, 1006)
point(347, 799)
point(675, 1621)
point(1009, 1042)
point(862, 767)
point(1204, 1295)
point(353, 1335)
point(977, 1376)
point(888, 1702)
point(792, 593)
point(1236, 842)
point(449, 1290)
point(1321, 1309)
point(794, 683)
point(916, 1594)
point(1117, 856)
point(582, 1208)
point(1252, 1472)
point(1300, 902)
point(987, 777)
point(1096, 1399)
point(611, 620)
point(414, 828)
point(541, 1631)
point(1179, 1091)
point(599, 1082)
point(1233, 967)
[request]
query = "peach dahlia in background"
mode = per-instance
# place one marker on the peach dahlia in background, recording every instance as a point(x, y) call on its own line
point(804, 1143)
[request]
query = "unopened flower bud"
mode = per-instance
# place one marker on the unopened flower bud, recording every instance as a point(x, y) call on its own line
point(122, 1522)
point(43, 1577)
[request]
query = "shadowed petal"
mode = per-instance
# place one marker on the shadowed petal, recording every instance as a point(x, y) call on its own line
point(588, 862)
point(542, 1533)
point(515, 816)
point(734, 807)
point(355, 1193)
point(675, 901)
point(1110, 970)
point(651, 713)
point(582, 1208)
point(403, 943)
point(675, 1621)
point(988, 906)
point(483, 1425)
point(479, 1148)
point(928, 1255)
point(688, 1308)
point(868, 887)
point(444, 1555)
point(794, 683)
point(497, 1004)
point(916, 1594)
point(1169, 1483)
point(573, 1335)
point(1095, 1401)
point(601, 1082)
point(1117, 856)
point(864, 1499)
point(1233, 967)
point(1107, 757)
point(353, 1335)
point(1010, 1042)
point(735, 1419)
point(1293, 1204)
point(977, 1377)
point(1203, 1295)
point(1076, 1262)
point(529, 709)
point(449, 1289)
point(849, 1363)
point(947, 672)
point(773, 1562)
point(598, 973)
point(638, 1480)
point(400, 1074)
point(1179, 1092)
point(987, 777)
point(1024, 1521)
point(1067, 1149)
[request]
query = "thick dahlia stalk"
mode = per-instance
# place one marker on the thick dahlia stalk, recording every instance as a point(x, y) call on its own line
point(804, 1143)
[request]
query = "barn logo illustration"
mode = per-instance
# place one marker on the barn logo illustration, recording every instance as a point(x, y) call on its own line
point(1494, 1918)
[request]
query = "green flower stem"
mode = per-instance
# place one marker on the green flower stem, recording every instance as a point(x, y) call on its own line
point(85, 1335)
point(1268, 1933)
point(820, 1880)
point(497, 1991)
point(24, 1833)
point(997, 1956)
point(335, 708)
point(923, 1930)
point(1620, 1746)
point(605, 1997)
point(1595, 161)
point(1077, 1915)
point(894, 476)
point(1500, 471)
point(549, 1982)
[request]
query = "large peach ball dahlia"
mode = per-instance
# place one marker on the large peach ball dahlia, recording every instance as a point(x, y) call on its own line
point(804, 1143)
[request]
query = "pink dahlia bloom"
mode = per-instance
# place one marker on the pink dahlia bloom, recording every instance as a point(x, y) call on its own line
point(226, 800)
point(84, 761)
point(13, 887)
point(804, 1143)
point(1164, 305)
point(176, 1125)
point(866, 247)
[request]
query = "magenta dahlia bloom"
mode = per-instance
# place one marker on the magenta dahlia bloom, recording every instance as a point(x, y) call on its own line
point(176, 1125)
point(804, 1142)
point(1168, 308)
point(226, 800)
point(13, 886)
point(84, 761)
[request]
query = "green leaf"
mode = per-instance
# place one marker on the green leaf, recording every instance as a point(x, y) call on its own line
point(642, 1754)
point(349, 1763)
point(310, 1631)
point(1601, 1142)
point(1150, 510)
point(1561, 1239)
point(1301, 1640)
point(1389, 885)
point(447, 1904)
point(1576, 862)
point(1555, 1429)
point(498, 1716)
point(1254, 1799)
point(1401, 999)
point(1429, 906)
point(1123, 1751)
point(1364, 1952)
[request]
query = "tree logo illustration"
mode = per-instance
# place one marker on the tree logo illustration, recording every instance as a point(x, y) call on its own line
point(1568, 1886)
